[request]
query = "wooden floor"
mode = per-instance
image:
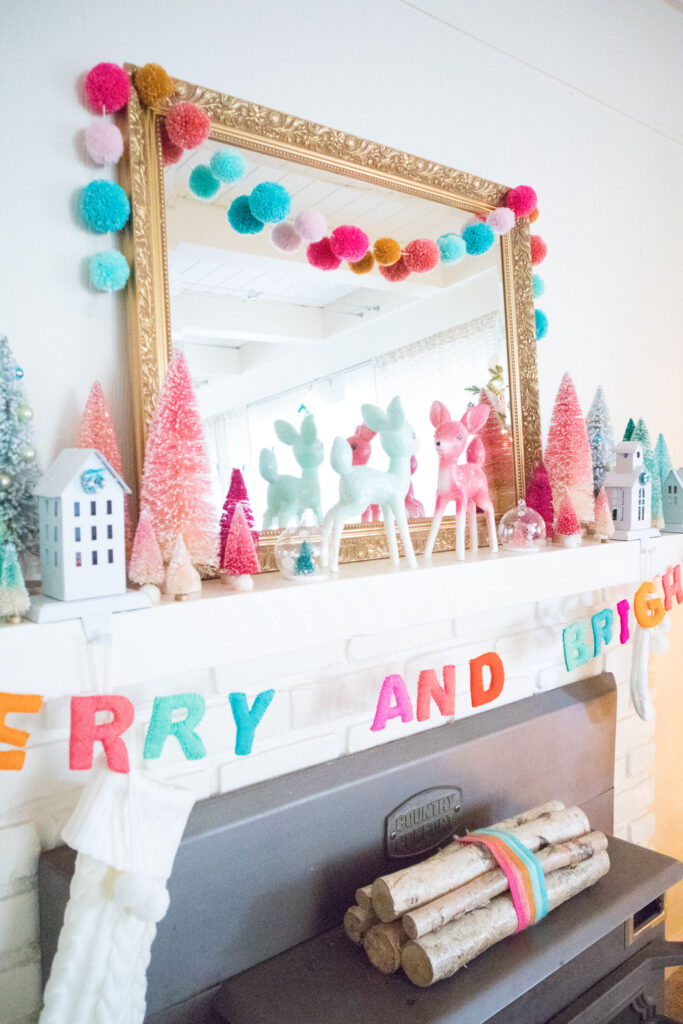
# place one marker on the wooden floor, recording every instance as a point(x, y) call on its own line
point(673, 1002)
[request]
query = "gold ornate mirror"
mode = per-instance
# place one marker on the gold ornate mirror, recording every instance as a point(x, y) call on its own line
point(268, 336)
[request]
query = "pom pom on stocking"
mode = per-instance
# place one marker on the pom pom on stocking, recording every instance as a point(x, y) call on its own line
point(146, 898)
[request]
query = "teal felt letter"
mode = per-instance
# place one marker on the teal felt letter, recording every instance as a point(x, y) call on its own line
point(576, 649)
point(247, 719)
point(162, 726)
point(393, 686)
point(602, 623)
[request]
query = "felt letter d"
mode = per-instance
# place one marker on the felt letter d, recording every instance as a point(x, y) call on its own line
point(478, 694)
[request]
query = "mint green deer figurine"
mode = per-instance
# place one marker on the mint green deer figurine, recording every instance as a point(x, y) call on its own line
point(360, 486)
point(290, 496)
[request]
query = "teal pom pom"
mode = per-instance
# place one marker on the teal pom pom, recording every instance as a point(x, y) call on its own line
point(478, 238)
point(270, 202)
point(203, 182)
point(228, 165)
point(241, 218)
point(539, 286)
point(103, 206)
point(453, 248)
point(109, 271)
point(541, 324)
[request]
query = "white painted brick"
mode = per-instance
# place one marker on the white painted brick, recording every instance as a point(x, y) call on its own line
point(379, 645)
point(202, 783)
point(563, 610)
point(633, 732)
point(621, 831)
point(639, 761)
point(534, 647)
point(642, 830)
point(557, 675)
point(496, 622)
point(456, 653)
point(621, 782)
point(624, 702)
point(634, 802)
point(618, 660)
point(143, 692)
point(19, 849)
point(20, 992)
point(245, 771)
point(361, 737)
point(613, 595)
point(269, 671)
point(336, 697)
point(18, 921)
point(45, 773)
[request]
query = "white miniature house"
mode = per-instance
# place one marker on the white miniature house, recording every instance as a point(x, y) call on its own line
point(629, 492)
point(82, 535)
point(672, 501)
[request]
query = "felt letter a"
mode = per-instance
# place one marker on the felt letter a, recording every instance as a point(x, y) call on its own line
point(85, 731)
point(393, 686)
point(246, 718)
point(162, 726)
point(19, 704)
point(478, 694)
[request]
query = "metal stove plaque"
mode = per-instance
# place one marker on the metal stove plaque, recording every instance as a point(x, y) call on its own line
point(422, 822)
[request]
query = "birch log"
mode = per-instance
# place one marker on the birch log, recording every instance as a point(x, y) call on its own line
point(383, 944)
point(357, 920)
point(482, 890)
point(395, 894)
point(440, 954)
point(364, 897)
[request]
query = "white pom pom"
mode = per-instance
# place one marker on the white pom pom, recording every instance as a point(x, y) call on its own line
point(147, 898)
point(152, 592)
point(243, 583)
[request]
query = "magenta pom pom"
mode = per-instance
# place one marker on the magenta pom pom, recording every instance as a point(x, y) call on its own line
point(285, 237)
point(170, 153)
point(187, 125)
point(349, 243)
point(501, 220)
point(107, 87)
point(103, 142)
point(539, 250)
point(311, 225)
point(320, 255)
point(421, 255)
point(521, 200)
point(396, 271)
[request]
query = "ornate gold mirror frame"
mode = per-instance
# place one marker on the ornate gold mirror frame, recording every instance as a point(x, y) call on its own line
point(250, 126)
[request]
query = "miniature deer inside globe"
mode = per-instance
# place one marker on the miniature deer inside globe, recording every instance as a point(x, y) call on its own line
point(522, 529)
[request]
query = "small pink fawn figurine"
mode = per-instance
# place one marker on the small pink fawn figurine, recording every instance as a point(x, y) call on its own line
point(414, 508)
point(464, 484)
point(361, 451)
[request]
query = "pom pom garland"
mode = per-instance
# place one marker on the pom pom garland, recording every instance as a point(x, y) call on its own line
point(103, 206)
point(363, 266)
point(478, 238)
point(285, 238)
point(539, 287)
point(241, 218)
point(109, 271)
point(103, 142)
point(228, 165)
point(203, 182)
point(397, 271)
point(152, 84)
point(541, 324)
point(170, 153)
point(501, 220)
point(349, 243)
point(421, 255)
point(533, 216)
point(452, 248)
point(311, 225)
point(187, 125)
point(320, 255)
point(521, 200)
point(269, 202)
point(107, 88)
point(386, 251)
point(539, 250)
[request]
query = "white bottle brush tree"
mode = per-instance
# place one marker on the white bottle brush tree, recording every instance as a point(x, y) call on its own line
point(19, 471)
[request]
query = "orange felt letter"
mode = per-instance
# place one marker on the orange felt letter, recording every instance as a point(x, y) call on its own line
point(648, 611)
point(428, 687)
point(19, 704)
point(478, 694)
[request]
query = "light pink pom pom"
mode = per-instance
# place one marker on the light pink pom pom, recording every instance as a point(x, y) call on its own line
point(310, 225)
point(320, 255)
point(103, 142)
point(421, 255)
point(521, 200)
point(501, 220)
point(349, 243)
point(285, 237)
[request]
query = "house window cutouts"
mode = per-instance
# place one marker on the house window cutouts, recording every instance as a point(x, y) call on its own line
point(109, 508)
point(77, 534)
point(94, 557)
point(56, 508)
point(77, 508)
point(110, 555)
point(79, 561)
point(110, 531)
point(641, 504)
point(93, 533)
point(55, 534)
point(93, 508)
point(55, 559)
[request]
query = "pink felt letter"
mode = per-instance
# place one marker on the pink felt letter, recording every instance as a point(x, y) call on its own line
point(478, 694)
point(19, 704)
point(671, 581)
point(85, 731)
point(428, 687)
point(624, 633)
point(393, 686)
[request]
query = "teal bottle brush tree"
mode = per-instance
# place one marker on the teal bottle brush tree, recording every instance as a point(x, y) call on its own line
point(19, 470)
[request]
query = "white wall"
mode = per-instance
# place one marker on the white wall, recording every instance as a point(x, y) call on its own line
point(582, 101)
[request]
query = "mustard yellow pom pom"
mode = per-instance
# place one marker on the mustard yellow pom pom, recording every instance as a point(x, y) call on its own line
point(363, 266)
point(533, 216)
point(387, 251)
point(153, 84)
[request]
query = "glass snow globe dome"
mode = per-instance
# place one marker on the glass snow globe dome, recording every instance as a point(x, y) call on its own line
point(301, 552)
point(522, 530)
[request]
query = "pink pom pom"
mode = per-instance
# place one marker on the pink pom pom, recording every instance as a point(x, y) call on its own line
point(320, 255)
point(421, 255)
point(103, 142)
point(539, 250)
point(501, 220)
point(521, 200)
point(107, 87)
point(170, 153)
point(285, 237)
point(311, 225)
point(396, 271)
point(349, 243)
point(187, 125)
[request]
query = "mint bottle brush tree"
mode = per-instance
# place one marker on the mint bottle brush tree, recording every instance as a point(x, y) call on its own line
point(19, 472)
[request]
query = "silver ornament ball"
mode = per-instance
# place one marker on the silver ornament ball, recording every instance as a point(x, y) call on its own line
point(5, 481)
point(28, 453)
point(25, 413)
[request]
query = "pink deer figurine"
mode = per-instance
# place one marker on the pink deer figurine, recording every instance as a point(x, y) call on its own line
point(464, 484)
point(361, 451)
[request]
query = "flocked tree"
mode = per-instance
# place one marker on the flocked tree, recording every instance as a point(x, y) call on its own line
point(146, 563)
point(600, 438)
point(630, 427)
point(539, 496)
point(14, 599)
point(568, 455)
point(181, 576)
point(500, 463)
point(663, 462)
point(176, 483)
point(96, 430)
point(239, 556)
point(604, 524)
point(304, 565)
point(568, 528)
point(19, 471)
point(642, 434)
point(237, 493)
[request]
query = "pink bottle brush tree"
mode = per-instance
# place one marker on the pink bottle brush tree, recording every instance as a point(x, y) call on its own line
point(604, 524)
point(182, 579)
point(539, 496)
point(176, 484)
point(237, 494)
point(239, 559)
point(146, 564)
point(568, 455)
point(568, 530)
point(96, 430)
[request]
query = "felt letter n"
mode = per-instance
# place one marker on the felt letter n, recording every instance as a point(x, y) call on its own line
point(479, 694)
point(444, 696)
point(162, 725)
point(85, 731)
point(18, 704)
point(246, 718)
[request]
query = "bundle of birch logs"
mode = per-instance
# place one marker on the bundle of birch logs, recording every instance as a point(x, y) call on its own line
point(436, 916)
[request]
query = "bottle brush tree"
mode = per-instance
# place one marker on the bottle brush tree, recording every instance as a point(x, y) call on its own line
point(628, 433)
point(568, 528)
point(237, 493)
point(304, 565)
point(19, 472)
point(96, 430)
point(14, 599)
point(239, 556)
point(604, 524)
point(568, 455)
point(663, 462)
point(539, 496)
point(600, 439)
point(642, 434)
point(146, 563)
point(181, 576)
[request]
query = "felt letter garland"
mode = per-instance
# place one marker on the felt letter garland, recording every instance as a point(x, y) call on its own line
point(602, 623)
point(648, 611)
point(671, 583)
point(85, 731)
point(246, 718)
point(428, 688)
point(18, 704)
point(575, 644)
point(393, 686)
point(478, 693)
point(624, 632)
point(162, 726)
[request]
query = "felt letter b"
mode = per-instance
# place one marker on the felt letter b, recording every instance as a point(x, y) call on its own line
point(478, 694)
point(576, 649)
point(246, 718)
point(162, 726)
point(85, 731)
point(18, 704)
